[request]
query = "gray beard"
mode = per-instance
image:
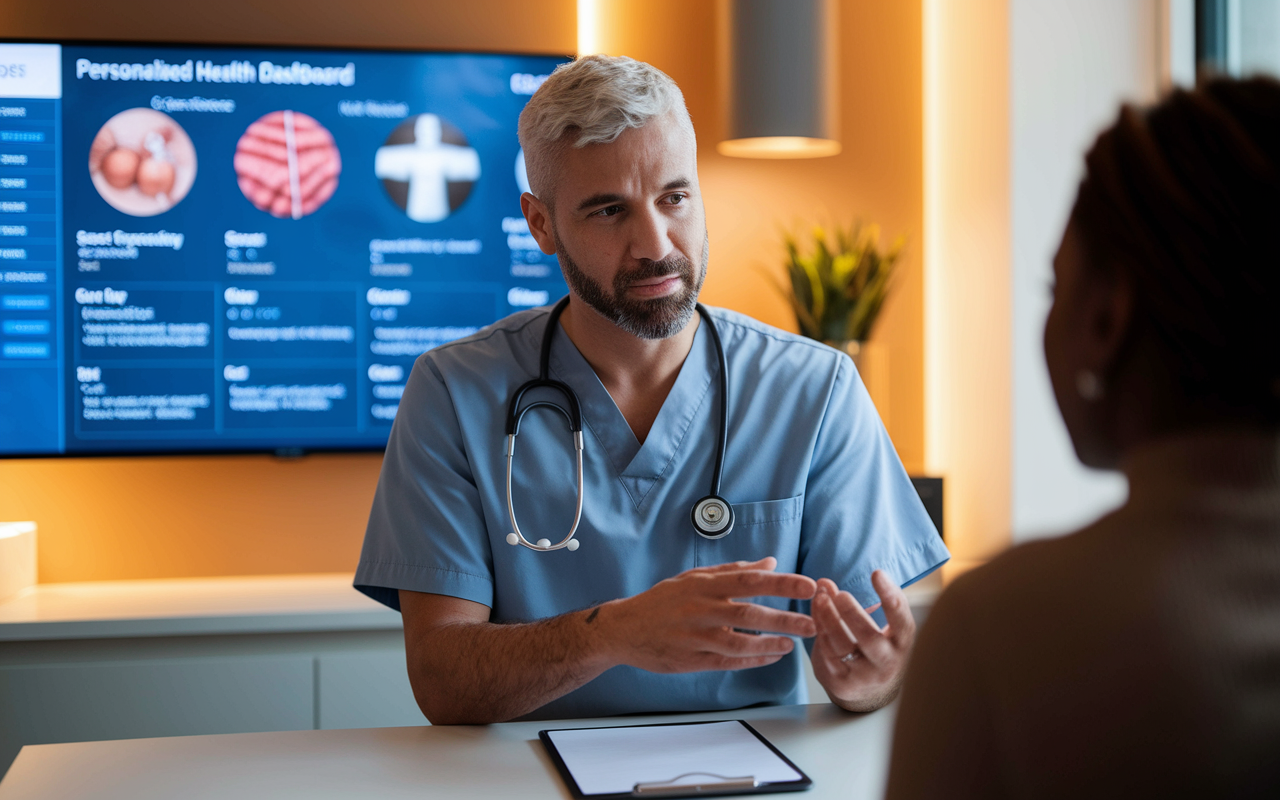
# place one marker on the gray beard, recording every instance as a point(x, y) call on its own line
point(659, 318)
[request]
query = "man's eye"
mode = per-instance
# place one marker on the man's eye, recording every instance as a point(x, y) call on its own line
point(609, 211)
point(675, 199)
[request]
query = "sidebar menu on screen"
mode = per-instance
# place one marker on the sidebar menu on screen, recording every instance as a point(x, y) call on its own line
point(30, 242)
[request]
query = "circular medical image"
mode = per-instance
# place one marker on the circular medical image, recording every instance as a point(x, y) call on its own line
point(142, 162)
point(427, 167)
point(287, 164)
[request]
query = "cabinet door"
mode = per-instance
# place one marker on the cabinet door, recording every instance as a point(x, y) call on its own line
point(44, 704)
point(366, 690)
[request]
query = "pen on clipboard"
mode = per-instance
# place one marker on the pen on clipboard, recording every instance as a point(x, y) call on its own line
point(675, 787)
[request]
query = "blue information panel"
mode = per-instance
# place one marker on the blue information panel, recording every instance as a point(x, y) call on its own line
point(217, 249)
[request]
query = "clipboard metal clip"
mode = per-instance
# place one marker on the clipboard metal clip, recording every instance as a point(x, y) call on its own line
point(680, 786)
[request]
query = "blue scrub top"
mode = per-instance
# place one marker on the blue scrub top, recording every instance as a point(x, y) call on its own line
point(812, 476)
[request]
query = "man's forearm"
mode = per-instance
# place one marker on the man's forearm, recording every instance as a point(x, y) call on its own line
point(465, 669)
point(482, 672)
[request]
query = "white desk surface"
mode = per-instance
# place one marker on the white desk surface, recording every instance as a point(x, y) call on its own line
point(191, 606)
point(845, 754)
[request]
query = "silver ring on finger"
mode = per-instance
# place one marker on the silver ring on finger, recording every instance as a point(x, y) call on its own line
point(849, 658)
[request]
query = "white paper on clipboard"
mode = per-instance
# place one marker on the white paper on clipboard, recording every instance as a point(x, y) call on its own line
point(614, 760)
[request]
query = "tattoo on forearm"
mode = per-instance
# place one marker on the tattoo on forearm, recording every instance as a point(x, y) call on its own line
point(592, 616)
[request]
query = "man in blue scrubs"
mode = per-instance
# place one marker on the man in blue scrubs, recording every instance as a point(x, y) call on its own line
point(647, 615)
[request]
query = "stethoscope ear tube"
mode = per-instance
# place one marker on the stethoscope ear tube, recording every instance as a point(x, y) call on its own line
point(543, 545)
point(574, 416)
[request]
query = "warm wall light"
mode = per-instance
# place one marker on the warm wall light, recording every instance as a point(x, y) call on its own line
point(779, 78)
point(779, 147)
point(588, 27)
point(9, 530)
point(967, 272)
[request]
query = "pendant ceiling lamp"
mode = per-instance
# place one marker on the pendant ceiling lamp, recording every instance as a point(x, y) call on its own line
point(779, 75)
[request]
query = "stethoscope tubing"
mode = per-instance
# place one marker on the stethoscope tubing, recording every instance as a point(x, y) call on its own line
point(718, 466)
point(515, 414)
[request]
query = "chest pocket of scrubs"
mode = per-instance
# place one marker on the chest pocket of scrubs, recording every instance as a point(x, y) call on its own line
point(767, 528)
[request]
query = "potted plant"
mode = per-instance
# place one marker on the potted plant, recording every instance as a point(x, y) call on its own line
point(839, 284)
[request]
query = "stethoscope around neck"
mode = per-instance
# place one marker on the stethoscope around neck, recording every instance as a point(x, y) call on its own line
point(712, 516)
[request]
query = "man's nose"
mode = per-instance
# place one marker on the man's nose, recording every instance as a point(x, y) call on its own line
point(650, 237)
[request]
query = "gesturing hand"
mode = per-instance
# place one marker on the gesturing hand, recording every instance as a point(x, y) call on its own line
point(858, 663)
point(686, 623)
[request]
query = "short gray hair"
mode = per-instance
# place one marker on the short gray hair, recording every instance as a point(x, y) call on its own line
point(592, 101)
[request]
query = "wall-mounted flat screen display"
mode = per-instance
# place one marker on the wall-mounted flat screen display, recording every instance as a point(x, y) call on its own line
point(238, 249)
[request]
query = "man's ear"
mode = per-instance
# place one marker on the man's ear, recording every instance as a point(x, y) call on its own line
point(538, 216)
point(1109, 319)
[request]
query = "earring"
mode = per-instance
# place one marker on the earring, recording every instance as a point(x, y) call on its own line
point(1089, 385)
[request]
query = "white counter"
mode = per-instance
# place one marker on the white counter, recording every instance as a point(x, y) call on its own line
point(127, 659)
point(220, 606)
point(191, 606)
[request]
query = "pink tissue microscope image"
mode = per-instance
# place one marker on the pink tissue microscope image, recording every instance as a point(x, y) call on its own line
point(287, 164)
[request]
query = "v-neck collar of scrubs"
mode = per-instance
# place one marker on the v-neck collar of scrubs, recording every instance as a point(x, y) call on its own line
point(638, 466)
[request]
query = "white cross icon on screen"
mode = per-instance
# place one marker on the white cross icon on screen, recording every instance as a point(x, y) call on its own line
point(427, 164)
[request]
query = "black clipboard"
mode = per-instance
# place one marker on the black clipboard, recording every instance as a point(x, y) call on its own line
point(687, 784)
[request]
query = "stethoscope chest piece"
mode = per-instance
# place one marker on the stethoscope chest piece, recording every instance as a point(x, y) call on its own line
point(712, 517)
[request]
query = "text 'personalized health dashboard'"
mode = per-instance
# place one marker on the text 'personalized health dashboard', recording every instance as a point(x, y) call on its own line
point(216, 248)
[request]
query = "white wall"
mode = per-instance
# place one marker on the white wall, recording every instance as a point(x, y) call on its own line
point(1257, 28)
point(1071, 65)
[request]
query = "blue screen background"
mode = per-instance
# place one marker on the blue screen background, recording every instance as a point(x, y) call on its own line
point(188, 350)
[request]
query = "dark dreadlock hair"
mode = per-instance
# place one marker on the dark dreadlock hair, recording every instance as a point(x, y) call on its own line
point(1184, 198)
